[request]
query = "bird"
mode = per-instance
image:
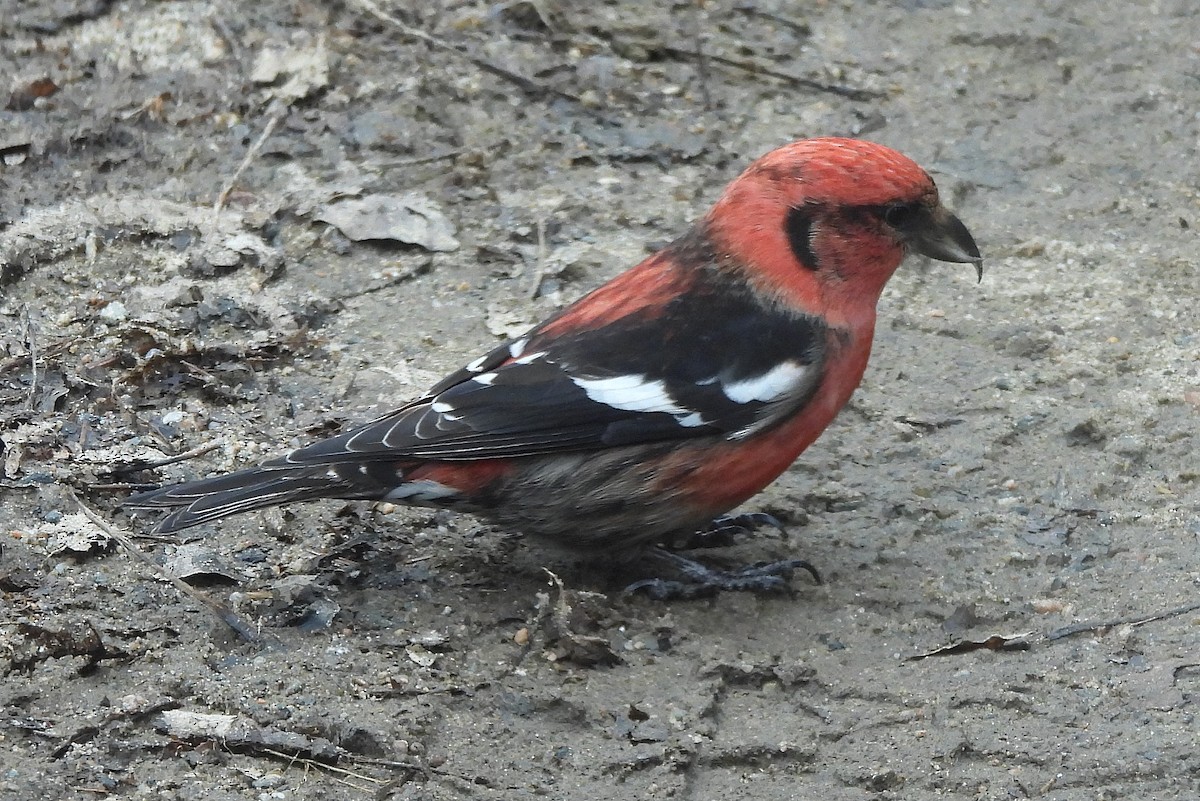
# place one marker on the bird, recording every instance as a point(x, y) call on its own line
point(661, 400)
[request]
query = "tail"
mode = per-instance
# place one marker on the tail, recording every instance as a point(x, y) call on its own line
point(210, 499)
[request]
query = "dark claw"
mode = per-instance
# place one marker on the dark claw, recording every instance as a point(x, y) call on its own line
point(748, 522)
point(698, 580)
point(721, 531)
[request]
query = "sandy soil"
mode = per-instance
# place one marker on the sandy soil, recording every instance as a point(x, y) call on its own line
point(1021, 458)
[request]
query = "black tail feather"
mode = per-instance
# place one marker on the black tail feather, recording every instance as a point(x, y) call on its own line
point(210, 499)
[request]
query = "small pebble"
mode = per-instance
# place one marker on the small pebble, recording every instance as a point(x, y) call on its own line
point(114, 312)
point(1046, 606)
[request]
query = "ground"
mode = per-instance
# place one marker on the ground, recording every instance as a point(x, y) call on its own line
point(228, 228)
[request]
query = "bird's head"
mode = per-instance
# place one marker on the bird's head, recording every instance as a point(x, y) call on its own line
point(829, 220)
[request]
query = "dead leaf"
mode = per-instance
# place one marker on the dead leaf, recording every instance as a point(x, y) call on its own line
point(74, 533)
point(997, 642)
point(410, 218)
point(298, 70)
point(506, 319)
point(195, 563)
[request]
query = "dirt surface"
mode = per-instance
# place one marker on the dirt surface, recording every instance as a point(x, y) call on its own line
point(191, 254)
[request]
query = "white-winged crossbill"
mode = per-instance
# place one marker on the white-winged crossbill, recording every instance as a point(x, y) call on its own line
point(660, 400)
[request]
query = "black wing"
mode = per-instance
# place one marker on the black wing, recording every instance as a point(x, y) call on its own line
point(714, 361)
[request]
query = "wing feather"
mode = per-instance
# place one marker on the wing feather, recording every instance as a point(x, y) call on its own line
point(715, 362)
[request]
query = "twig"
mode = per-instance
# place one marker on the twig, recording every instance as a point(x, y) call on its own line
point(31, 344)
point(276, 117)
point(1080, 628)
point(527, 85)
point(227, 615)
point(344, 776)
point(199, 372)
point(53, 349)
point(702, 65)
point(1029, 639)
point(218, 22)
point(539, 269)
point(416, 160)
point(183, 457)
point(848, 92)
point(325, 766)
point(799, 28)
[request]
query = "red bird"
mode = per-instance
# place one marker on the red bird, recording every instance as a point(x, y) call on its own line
point(664, 398)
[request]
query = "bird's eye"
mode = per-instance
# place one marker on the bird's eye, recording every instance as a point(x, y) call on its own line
point(900, 215)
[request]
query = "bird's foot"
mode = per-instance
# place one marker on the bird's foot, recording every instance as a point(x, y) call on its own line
point(722, 530)
point(697, 580)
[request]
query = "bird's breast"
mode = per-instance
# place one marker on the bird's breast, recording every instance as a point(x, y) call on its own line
point(726, 474)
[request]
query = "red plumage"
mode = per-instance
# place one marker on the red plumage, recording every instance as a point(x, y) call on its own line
point(662, 399)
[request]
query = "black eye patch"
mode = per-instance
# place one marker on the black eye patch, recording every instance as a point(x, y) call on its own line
point(798, 225)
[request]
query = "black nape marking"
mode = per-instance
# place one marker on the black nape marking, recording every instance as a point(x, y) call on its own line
point(799, 228)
